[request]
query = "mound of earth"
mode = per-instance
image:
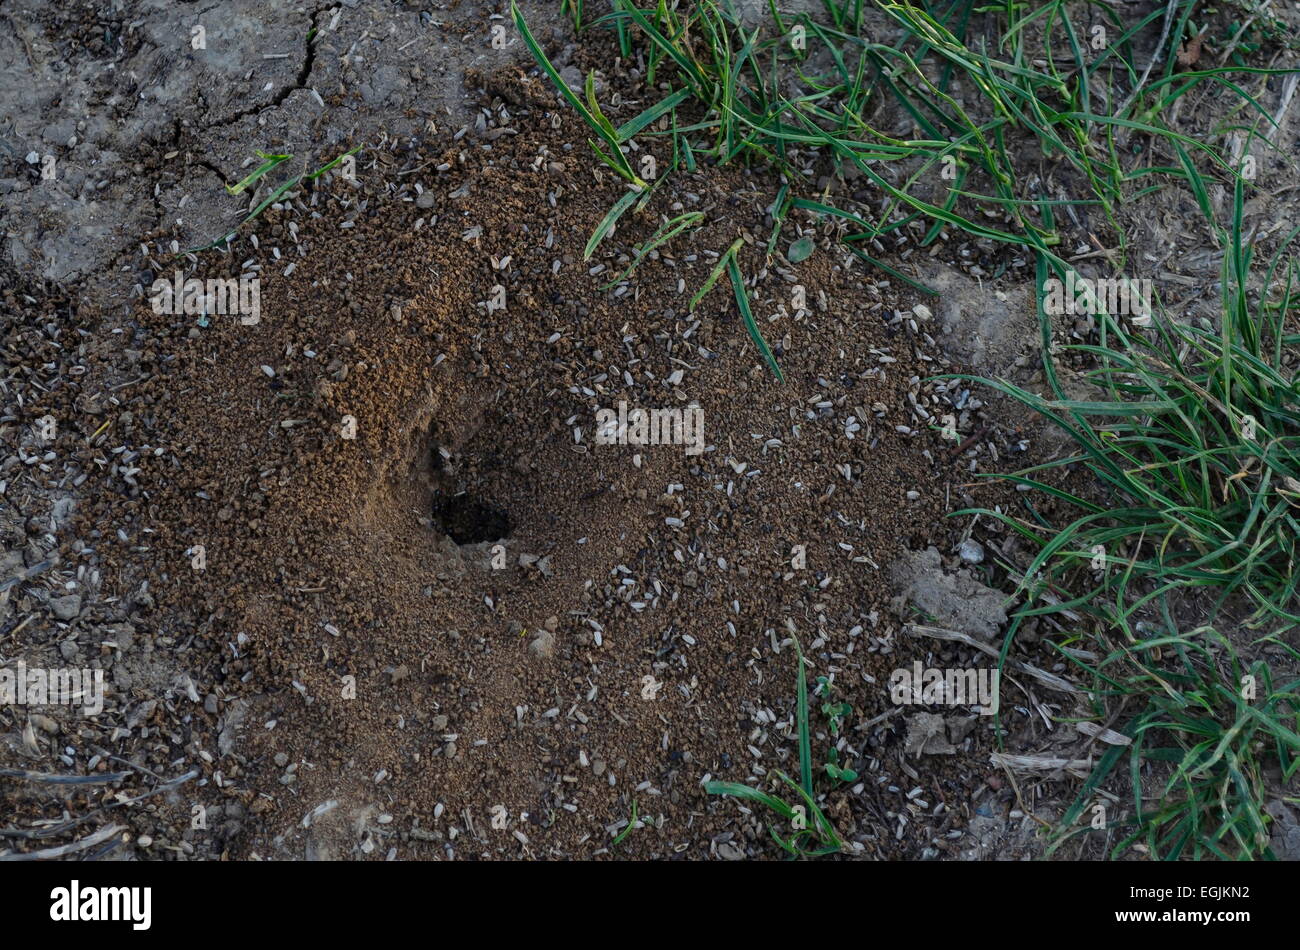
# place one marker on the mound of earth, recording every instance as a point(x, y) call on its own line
point(383, 586)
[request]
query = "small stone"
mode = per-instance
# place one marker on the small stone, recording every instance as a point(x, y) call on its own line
point(925, 736)
point(45, 724)
point(281, 759)
point(66, 608)
point(730, 852)
point(570, 75)
point(543, 644)
point(425, 200)
point(971, 551)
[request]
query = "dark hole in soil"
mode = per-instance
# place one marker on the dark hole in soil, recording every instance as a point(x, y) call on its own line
point(467, 521)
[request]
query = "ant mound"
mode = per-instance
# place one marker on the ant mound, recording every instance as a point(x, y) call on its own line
point(453, 589)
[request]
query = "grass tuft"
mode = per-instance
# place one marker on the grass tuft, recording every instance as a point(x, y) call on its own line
point(813, 835)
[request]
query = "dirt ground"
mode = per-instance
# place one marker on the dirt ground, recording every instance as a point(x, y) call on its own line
point(435, 617)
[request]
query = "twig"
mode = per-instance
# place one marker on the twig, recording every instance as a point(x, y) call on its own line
point(968, 441)
point(1040, 763)
point(48, 854)
point(1155, 58)
point(103, 779)
point(1047, 679)
point(1288, 91)
point(50, 832)
point(28, 574)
